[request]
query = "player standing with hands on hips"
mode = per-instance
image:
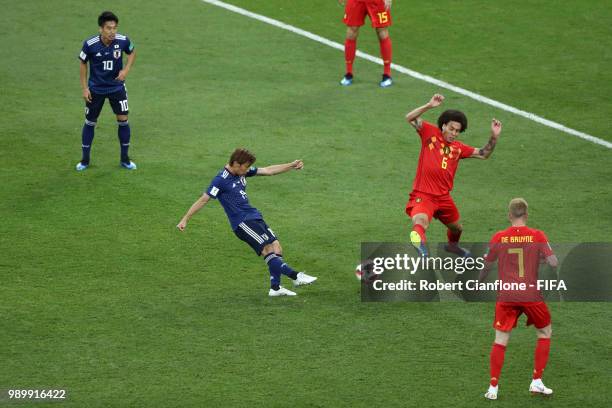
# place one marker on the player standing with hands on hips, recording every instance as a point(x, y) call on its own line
point(104, 53)
point(435, 174)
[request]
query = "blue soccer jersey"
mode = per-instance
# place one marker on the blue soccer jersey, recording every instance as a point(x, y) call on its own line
point(231, 192)
point(105, 62)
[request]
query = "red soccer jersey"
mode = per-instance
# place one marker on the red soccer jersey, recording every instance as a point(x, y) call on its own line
point(438, 161)
point(519, 251)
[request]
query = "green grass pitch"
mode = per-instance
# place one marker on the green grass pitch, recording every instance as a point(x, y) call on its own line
point(102, 296)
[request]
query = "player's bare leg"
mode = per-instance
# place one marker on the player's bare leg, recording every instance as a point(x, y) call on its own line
point(385, 53)
point(496, 362)
point(420, 222)
point(453, 234)
point(541, 358)
point(274, 247)
point(350, 49)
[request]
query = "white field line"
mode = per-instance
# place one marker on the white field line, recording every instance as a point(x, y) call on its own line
point(414, 74)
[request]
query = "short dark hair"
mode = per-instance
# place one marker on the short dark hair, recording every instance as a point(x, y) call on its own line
point(453, 116)
point(107, 16)
point(242, 156)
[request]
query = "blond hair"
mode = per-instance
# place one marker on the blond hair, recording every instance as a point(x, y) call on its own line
point(517, 207)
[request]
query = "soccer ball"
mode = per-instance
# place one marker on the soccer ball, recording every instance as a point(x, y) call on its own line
point(365, 271)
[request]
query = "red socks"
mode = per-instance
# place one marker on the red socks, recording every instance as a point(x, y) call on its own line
point(385, 53)
point(350, 48)
point(453, 237)
point(497, 361)
point(541, 357)
point(421, 231)
point(498, 352)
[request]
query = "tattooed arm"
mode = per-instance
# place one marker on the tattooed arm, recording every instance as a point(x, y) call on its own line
point(414, 117)
point(486, 151)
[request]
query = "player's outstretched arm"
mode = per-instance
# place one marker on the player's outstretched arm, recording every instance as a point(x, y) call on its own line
point(280, 168)
point(124, 72)
point(414, 117)
point(195, 207)
point(486, 151)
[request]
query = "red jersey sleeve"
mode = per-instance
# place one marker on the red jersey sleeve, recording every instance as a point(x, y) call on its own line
point(545, 248)
point(493, 249)
point(466, 151)
point(427, 130)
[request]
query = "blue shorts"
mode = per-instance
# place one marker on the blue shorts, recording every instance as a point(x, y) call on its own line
point(256, 233)
point(118, 101)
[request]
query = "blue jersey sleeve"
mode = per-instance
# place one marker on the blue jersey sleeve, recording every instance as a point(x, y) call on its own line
point(252, 172)
point(216, 187)
point(84, 54)
point(128, 46)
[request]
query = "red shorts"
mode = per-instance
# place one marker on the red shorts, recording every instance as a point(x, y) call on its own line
point(441, 207)
point(507, 314)
point(356, 10)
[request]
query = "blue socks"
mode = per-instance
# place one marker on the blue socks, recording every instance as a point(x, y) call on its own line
point(277, 266)
point(123, 131)
point(87, 138)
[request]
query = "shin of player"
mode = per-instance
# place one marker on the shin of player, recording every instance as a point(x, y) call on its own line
point(104, 54)
point(438, 161)
point(518, 251)
point(379, 12)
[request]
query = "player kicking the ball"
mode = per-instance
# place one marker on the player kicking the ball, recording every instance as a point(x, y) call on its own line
point(518, 251)
point(438, 161)
point(229, 187)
